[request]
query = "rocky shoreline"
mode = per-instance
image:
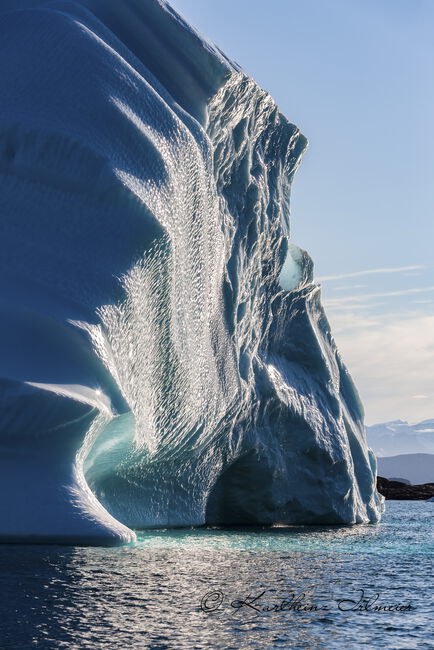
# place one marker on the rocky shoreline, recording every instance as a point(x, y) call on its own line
point(401, 491)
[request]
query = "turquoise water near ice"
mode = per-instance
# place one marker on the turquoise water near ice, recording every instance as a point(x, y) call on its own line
point(297, 587)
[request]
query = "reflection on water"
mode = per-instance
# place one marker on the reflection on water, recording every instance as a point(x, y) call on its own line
point(149, 595)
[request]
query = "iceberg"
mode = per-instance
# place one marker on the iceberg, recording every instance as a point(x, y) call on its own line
point(165, 358)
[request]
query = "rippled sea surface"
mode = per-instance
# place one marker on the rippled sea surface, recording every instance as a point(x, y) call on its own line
point(297, 587)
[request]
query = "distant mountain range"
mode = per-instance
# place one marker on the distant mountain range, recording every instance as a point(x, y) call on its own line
point(416, 468)
point(404, 450)
point(399, 437)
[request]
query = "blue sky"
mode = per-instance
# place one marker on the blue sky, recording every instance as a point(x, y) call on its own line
point(357, 77)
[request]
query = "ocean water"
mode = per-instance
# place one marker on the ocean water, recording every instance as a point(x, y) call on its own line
point(297, 587)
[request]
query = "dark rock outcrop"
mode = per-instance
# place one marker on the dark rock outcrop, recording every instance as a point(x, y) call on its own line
point(401, 491)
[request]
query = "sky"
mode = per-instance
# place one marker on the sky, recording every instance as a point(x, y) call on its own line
point(356, 76)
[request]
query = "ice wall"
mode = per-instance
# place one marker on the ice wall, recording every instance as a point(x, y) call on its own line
point(158, 367)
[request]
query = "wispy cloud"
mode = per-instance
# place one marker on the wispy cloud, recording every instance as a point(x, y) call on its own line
point(350, 287)
point(356, 274)
point(343, 307)
point(333, 302)
point(391, 358)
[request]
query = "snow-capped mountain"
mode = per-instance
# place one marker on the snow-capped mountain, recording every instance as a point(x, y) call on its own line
point(400, 437)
